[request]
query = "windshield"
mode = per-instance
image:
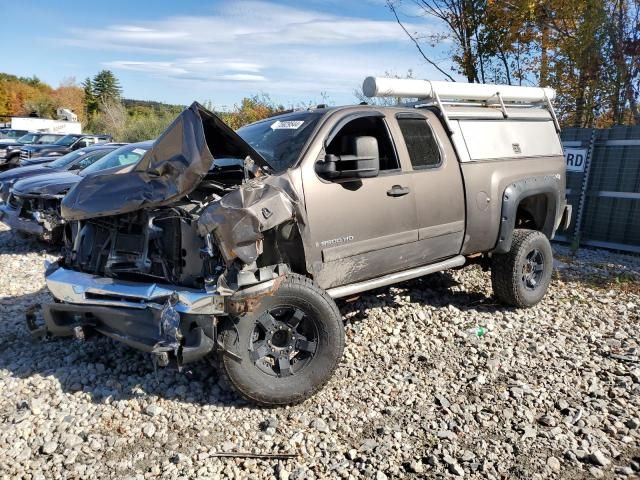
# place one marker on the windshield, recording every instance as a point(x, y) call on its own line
point(67, 140)
point(280, 139)
point(119, 158)
point(11, 133)
point(28, 138)
point(46, 139)
point(70, 158)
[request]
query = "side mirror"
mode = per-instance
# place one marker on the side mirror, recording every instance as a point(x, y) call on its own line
point(364, 163)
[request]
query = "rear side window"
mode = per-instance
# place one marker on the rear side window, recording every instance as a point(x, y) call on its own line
point(421, 144)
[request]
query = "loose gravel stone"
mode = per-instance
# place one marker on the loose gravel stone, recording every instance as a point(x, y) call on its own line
point(49, 447)
point(149, 429)
point(153, 410)
point(598, 458)
point(554, 464)
point(416, 396)
point(416, 467)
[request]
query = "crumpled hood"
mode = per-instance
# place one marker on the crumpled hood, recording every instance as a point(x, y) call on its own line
point(22, 172)
point(49, 184)
point(175, 165)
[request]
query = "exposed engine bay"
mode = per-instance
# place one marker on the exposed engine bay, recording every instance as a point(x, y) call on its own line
point(158, 244)
point(211, 239)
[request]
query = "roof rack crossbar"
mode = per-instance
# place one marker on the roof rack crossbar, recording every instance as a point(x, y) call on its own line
point(443, 94)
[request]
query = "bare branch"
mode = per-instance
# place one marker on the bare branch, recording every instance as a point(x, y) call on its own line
point(416, 43)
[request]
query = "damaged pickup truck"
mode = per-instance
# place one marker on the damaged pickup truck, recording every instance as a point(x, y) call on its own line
point(235, 245)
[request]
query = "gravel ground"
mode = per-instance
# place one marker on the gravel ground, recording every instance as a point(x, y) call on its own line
point(549, 392)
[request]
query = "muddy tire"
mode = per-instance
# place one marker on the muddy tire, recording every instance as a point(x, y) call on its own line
point(521, 277)
point(287, 348)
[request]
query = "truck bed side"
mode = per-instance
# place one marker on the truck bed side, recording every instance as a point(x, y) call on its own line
point(514, 175)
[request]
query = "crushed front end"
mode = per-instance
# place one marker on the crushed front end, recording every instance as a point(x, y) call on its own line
point(150, 317)
point(164, 253)
point(37, 215)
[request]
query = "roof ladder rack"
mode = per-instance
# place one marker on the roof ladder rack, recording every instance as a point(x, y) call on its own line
point(443, 94)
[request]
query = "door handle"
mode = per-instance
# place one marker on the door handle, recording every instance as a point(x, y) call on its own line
point(398, 191)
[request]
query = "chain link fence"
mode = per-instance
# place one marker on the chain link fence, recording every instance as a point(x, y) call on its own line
point(603, 186)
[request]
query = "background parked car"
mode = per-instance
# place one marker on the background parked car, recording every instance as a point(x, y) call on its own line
point(63, 145)
point(10, 150)
point(26, 162)
point(33, 205)
point(76, 160)
point(11, 134)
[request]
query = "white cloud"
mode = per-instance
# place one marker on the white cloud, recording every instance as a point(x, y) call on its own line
point(242, 77)
point(300, 51)
point(150, 67)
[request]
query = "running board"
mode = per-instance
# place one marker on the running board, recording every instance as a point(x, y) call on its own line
point(397, 277)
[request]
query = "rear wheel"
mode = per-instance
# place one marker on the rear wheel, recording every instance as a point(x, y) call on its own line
point(288, 347)
point(522, 276)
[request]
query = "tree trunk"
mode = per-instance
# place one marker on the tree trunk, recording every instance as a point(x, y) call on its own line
point(544, 55)
point(580, 100)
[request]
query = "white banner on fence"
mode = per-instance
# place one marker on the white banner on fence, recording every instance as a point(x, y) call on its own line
point(576, 159)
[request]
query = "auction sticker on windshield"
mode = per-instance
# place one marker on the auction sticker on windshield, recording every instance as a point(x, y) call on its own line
point(139, 151)
point(286, 124)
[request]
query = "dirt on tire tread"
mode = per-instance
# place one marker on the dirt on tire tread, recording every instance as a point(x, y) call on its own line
point(292, 279)
point(504, 276)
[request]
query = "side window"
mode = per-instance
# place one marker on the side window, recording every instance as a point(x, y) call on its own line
point(88, 160)
point(369, 127)
point(421, 143)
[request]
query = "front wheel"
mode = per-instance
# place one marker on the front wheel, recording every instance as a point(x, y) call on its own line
point(288, 347)
point(521, 277)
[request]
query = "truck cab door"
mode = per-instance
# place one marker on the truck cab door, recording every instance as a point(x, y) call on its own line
point(360, 229)
point(435, 173)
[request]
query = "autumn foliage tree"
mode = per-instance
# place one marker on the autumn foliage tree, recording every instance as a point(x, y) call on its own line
point(588, 50)
point(17, 92)
point(249, 110)
point(20, 96)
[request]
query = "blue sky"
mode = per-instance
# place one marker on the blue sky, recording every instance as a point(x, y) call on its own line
point(220, 51)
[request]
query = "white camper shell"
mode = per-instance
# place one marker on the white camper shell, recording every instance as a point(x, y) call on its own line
point(486, 122)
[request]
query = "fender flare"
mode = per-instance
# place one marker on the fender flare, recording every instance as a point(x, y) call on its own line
point(549, 185)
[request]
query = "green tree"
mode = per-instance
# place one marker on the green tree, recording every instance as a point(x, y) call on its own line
point(251, 109)
point(90, 102)
point(106, 87)
point(110, 118)
point(43, 106)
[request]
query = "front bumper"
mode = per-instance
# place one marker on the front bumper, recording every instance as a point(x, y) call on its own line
point(150, 317)
point(85, 289)
point(11, 217)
